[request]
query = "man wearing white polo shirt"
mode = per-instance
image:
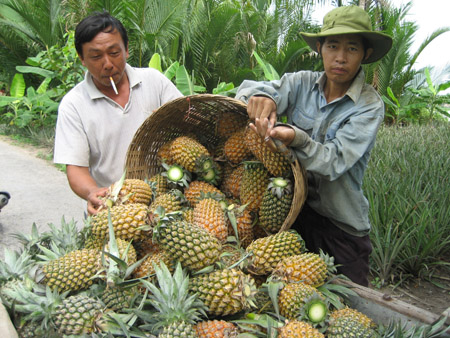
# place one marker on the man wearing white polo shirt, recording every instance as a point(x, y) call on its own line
point(98, 118)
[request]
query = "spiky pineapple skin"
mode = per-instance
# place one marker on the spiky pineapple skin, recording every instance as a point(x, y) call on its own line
point(73, 271)
point(147, 268)
point(228, 123)
point(255, 179)
point(267, 251)
point(196, 188)
point(231, 183)
point(179, 329)
point(136, 191)
point(122, 246)
point(76, 315)
point(126, 220)
point(307, 267)
point(274, 210)
point(194, 247)
point(185, 151)
point(224, 292)
point(235, 149)
point(299, 329)
point(209, 215)
point(216, 328)
point(159, 184)
point(293, 297)
point(275, 162)
point(171, 201)
point(350, 323)
point(116, 298)
point(244, 222)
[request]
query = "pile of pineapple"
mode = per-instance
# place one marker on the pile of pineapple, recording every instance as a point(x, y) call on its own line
point(196, 250)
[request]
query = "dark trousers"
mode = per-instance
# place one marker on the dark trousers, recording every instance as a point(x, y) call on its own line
point(351, 252)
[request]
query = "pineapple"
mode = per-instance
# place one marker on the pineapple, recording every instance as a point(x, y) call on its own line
point(293, 297)
point(227, 123)
point(193, 246)
point(130, 191)
point(276, 163)
point(208, 214)
point(308, 267)
point(275, 204)
point(190, 154)
point(147, 267)
point(164, 155)
point(235, 149)
point(349, 322)
point(188, 215)
point(73, 271)
point(243, 221)
point(78, 315)
point(159, 184)
point(216, 328)
point(117, 298)
point(126, 251)
point(177, 177)
point(127, 221)
point(268, 251)
point(231, 184)
point(224, 292)
point(195, 188)
point(253, 184)
point(299, 329)
point(171, 201)
point(177, 310)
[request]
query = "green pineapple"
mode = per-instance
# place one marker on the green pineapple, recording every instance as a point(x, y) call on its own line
point(293, 297)
point(276, 204)
point(255, 179)
point(267, 251)
point(171, 201)
point(225, 292)
point(117, 298)
point(349, 322)
point(176, 309)
point(194, 247)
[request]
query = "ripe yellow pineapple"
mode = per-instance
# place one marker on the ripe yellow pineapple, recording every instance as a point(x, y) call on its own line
point(299, 329)
point(275, 162)
point(209, 215)
point(276, 204)
point(195, 188)
point(224, 292)
point(127, 221)
point(159, 184)
point(253, 184)
point(164, 155)
point(294, 296)
point(216, 328)
point(171, 201)
point(132, 191)
point(231, 183)
point(227, 123)
point(308, 267)
point(244, 224)
point(267, 251)
point(147, 268)
point(187, 152)
point(235, 149)
point(73, 271)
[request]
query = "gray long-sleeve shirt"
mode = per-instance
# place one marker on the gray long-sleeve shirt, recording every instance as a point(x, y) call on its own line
point(340, 137)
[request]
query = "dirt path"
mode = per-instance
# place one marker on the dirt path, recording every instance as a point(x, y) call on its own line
point(39, 193)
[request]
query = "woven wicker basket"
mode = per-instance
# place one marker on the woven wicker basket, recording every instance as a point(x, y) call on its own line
point(196, 114)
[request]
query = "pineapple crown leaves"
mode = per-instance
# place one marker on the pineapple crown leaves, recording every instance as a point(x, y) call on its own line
point(66, 236)
point(329, 261)
point(38, 303)
point(30, 241)
point(176, 174)
point(15, 264)
point(272, 288)
point(171, 299)
point(258, 325)
point(279, 186)
point(336, 292)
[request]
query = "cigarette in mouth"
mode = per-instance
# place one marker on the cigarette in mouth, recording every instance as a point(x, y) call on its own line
point(113, 85)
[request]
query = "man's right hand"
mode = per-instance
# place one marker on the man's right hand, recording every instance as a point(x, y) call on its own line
point(93, 200)
point(263, 111)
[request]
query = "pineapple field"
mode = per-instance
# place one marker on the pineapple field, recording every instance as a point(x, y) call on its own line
point(193, 241)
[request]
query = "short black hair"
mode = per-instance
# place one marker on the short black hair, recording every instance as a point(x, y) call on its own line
point(95, 23)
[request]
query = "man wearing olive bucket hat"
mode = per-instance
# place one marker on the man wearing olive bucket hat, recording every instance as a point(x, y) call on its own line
point(332, 121)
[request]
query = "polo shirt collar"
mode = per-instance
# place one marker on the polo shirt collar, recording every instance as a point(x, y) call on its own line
point(94, 93)
point(355, 89)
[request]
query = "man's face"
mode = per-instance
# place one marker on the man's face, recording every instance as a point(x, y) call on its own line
point(105, 56)
point(342, 56)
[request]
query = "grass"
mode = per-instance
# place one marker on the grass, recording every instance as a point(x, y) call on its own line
point(407, 184)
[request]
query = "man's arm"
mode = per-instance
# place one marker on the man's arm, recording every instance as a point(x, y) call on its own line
point(82, 184)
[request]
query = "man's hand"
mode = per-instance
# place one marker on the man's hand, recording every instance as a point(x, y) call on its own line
point(94, 202)
point(263, 111)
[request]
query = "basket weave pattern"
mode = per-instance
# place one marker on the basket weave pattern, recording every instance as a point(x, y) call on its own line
point(194, 115)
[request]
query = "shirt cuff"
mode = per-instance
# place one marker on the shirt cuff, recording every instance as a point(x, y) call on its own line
point(301, 138)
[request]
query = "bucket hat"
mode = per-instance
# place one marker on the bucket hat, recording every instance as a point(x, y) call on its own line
point(351, 20)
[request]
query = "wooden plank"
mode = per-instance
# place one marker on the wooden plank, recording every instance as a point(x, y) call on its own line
point(386, 301)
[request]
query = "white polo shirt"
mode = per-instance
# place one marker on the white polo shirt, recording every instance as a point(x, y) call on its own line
point(94, 131)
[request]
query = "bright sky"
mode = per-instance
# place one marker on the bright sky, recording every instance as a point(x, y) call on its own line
point(429, 16)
